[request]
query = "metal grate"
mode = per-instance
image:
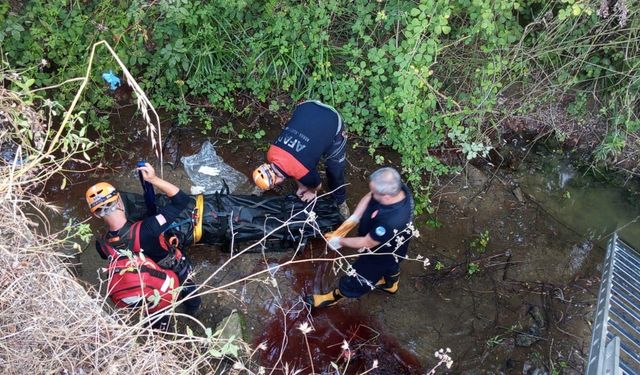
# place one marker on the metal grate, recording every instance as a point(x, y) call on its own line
point(615, 343)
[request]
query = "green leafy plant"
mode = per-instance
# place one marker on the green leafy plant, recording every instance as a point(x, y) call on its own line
point(433, 223)
point(480, 242)
point(472, 269)
point(81, 231)
point(252, 134)
point(226, 129)
point(559, 367)
point(578, 107)
point(259, 134)
point(494, 341)
point(422, 78)
point(611, 146)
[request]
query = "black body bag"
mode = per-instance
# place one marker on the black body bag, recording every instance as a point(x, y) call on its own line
point(243, 220)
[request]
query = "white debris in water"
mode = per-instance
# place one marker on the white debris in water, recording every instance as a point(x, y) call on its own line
point(207, 169)
point(210, 171)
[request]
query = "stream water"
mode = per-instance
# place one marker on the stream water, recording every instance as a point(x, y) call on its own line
point(543, 255)
point(593, 208)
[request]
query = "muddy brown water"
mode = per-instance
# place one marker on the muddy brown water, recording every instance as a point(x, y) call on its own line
point(539, 255)
point(331, 328)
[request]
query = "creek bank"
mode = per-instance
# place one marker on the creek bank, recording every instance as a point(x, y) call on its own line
point(525, 264)
point(578, 137)
point(477, 312)
point(578, 196)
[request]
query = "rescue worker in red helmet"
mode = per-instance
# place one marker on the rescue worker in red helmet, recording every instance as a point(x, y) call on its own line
point(104, 202)
point(384, 216)
point(314, 132)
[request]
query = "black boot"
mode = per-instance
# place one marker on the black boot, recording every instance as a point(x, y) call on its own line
point(323, 300)
point(390, 284)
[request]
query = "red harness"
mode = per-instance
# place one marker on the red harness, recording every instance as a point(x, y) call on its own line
point(136, 280)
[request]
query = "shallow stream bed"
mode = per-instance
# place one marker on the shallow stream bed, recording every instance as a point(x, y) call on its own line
point(524, 301)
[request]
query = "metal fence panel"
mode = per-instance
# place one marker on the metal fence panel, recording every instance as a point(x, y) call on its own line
point(615, 341)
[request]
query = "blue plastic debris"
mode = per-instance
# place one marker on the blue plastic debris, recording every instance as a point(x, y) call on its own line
point(9, 157)
point(112, 80)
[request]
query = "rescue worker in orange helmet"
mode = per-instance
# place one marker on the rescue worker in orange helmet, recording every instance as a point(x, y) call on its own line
point(384, 216)
point(104, 202)
point(314, 132)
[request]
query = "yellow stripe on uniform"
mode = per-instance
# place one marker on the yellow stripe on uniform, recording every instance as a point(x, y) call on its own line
point(197, 228)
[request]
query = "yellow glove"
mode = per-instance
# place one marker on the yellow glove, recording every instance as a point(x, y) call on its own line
point(344, 228)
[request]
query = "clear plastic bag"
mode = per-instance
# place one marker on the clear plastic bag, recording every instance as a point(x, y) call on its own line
point(208, 172)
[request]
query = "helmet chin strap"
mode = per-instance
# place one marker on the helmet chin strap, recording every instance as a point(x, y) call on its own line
point(119, 206)
point(276, 170)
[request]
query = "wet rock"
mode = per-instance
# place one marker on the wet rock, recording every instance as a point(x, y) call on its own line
point(518, 239)
point(536, 323)
point(472, 372)
point(9, 156)
point(506, 155)
point(231, 328)
point(534, 330)
point(475, 177)
point(530, 369)
point(538, 316)
point(510, 364)
point(578, 255)
point(171, 146)
point(509, 344)
point(517, 192)
point(565, 174)
point(525, 340)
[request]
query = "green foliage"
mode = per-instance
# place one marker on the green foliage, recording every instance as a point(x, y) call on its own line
point(44, 148)
point(480, 242)
point(586, 48)
point(439, 266)
point(419, 77)
point(220, 346)
point(494, 341)
point(559, 367)
point(433, 223)
point(56, 38)
point(81, 231)
point(255, 136)
point(578, 107)
point(611, 146)
point(472, 269)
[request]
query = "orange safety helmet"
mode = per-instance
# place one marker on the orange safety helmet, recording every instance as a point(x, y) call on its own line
point(265, 177)
point(101, 194)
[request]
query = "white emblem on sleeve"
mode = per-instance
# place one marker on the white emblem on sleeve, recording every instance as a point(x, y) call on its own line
point(161, 219)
